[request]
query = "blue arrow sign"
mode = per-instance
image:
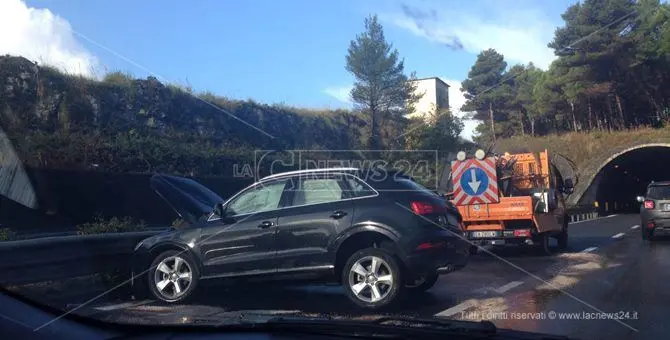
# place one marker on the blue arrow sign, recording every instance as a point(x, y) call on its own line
point(474, 181)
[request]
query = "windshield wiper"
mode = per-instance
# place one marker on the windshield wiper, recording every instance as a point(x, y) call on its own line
point(390, 327)
point(404, 328)
point(482, 327)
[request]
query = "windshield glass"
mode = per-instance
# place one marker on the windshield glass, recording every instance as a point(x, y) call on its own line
point(210, 161)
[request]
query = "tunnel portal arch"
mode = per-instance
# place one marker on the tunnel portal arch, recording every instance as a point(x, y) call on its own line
point(614, 181)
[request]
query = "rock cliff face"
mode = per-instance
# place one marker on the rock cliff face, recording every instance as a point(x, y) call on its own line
point(125, 124)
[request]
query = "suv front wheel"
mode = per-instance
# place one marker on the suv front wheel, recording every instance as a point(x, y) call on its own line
point(372, 278)
point(173, 276)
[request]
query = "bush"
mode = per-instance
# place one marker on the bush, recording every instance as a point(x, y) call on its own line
point(6, 234)
point(119, 79)
point(112, 225)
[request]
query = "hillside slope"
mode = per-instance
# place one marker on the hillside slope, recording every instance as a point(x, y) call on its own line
point(123, 124)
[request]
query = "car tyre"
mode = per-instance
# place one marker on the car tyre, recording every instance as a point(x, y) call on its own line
point(423, 284)
point(173, 276)
point(373, 288)
point(562, 237)
point(543, 244)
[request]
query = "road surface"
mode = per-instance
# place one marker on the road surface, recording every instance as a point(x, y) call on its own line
point(607, 269)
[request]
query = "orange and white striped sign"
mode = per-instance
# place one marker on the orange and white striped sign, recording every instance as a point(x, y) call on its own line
point(475, 181)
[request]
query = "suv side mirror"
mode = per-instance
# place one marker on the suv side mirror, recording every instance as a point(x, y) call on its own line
point(221, 210)
point(640, 199)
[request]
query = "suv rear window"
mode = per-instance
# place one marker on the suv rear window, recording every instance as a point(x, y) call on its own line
point(658, 192)
point(409, 184)
point(359, 188)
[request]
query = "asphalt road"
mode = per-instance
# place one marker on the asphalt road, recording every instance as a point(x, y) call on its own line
point(607, 268)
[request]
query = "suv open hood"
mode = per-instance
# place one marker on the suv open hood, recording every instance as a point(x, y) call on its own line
point(190, 199)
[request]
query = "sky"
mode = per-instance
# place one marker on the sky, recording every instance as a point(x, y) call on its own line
point(289, 51)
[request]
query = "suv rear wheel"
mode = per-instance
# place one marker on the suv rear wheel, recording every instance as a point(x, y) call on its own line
point(372, 278)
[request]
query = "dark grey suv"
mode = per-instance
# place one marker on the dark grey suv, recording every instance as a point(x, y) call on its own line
point(655, 210)
point(377, 234)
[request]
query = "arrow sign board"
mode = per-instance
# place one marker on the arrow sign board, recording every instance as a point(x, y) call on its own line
point(475, 181)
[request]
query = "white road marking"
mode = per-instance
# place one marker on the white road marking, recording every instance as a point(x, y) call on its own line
point(455, 309)
point(508, 286)
point(123, 305)
point(619, 235)
point(499, 290)
point(589, 249)
point(594, 219)
point(484, 290)
point(635, 227)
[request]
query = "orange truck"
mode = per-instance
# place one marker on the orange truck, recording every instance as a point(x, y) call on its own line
point(511, 199)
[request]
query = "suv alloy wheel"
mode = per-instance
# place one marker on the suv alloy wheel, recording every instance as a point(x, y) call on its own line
point(173, 276)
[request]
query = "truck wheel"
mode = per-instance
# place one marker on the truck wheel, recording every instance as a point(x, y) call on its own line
point(423, 283)
point(543, 244)
point(562, 238)
point(372, 278)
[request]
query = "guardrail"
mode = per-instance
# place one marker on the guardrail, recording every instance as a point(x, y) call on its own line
point(583, 213)
point(34, 235)
point(57, 258)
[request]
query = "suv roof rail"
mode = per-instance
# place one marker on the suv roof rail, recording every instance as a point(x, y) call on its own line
point(306, 171)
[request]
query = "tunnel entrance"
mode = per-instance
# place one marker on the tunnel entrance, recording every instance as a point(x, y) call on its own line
point(626, 176)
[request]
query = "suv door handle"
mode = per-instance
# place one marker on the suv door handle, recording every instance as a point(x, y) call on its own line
point(338, 214)
point(265, 224)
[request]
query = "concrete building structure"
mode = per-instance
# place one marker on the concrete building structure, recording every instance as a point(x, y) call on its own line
point(435, 96)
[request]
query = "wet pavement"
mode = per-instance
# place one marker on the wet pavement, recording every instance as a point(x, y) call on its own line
point(607, 269)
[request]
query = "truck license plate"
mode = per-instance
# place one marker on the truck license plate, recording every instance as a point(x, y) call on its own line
point(483, 234)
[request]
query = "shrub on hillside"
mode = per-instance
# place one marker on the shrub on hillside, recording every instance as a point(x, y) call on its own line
point(112, 225)
point(6, 234)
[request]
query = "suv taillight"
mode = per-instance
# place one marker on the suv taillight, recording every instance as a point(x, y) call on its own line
point(424, 208)
point(649, 204)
